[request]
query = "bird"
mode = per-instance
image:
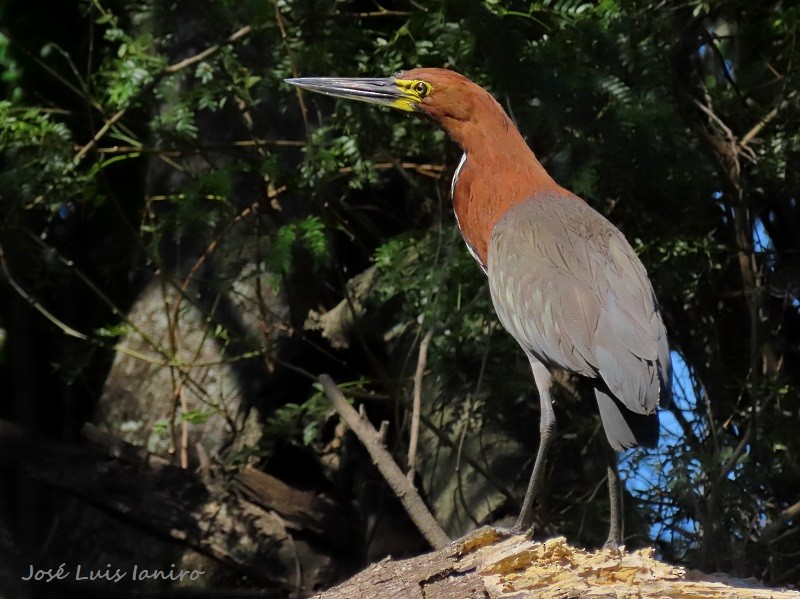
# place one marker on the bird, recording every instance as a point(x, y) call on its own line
point(564, 281)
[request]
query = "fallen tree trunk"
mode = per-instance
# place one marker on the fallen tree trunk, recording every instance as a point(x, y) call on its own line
point(483, 566)
point(268, 533)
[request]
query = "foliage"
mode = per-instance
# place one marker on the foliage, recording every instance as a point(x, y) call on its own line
point(310, 232)
point(163, 135)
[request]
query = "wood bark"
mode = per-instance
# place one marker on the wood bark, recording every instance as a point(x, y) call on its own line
point(489, 566)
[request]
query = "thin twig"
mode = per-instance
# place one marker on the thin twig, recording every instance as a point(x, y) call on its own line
point(165, 358)
point(711, 40)
point(100, 133)
point(374, 13)
point(770, 531)
point(187, 62)
point(202, 260)
point(415, 406)
point(173, 350)
point(171, 69)
point(767, 119)
point(472, 461)
point(33, 57)
point(32, 301)
point(240, 143)
point(730, 464)
point(295, 72)
point(736, 147)
point(405, 492)
point(184, 427)
point(459, 478)
point(115, 118)
point(429, 170)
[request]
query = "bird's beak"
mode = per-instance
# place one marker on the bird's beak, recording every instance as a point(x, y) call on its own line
point(387, 92)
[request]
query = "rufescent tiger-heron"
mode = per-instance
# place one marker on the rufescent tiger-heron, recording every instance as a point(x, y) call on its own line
point(564, 281)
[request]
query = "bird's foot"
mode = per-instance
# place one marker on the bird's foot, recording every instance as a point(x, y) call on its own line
point(613, 544)
point(519, 529)
point(524, 525)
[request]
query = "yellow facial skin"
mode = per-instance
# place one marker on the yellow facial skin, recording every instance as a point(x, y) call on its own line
point(413, 91)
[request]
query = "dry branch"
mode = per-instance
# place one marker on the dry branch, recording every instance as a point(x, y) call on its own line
point(416, 405)
point(240, 33)
point(299, 510)
point(405, 491)
point(770, 532)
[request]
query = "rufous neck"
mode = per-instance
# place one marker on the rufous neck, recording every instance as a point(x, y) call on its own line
point(500, 171)
point(490, 136)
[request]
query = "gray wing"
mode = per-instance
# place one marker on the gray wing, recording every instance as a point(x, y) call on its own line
point(568, 286)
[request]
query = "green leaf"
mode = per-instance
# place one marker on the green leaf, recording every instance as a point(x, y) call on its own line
point(196, 416)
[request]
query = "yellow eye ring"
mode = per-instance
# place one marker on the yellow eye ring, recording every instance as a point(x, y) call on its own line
point(422, 89)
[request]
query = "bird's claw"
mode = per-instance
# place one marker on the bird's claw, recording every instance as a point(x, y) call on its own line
point(520, 530)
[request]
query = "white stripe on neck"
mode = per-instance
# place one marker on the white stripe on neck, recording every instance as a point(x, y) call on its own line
point(452, 196)
point(456, 174)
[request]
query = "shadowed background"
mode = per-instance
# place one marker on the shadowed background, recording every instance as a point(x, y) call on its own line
point(186, 245)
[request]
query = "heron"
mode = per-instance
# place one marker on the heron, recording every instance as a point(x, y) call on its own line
point(564, 281)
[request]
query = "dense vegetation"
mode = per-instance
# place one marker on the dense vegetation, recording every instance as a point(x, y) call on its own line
point(156, 141)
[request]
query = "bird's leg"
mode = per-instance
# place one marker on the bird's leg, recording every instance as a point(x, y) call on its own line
point(615, 499)
point(547, 428)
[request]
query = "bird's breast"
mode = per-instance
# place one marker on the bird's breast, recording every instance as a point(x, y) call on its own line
point(483, 190)
point(475, 207)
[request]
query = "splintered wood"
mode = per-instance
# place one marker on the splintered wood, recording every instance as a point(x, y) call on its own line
point(518, 568)
point(487, 565)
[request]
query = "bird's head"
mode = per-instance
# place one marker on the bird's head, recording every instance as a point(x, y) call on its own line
point(501, 169)
point(450, 99)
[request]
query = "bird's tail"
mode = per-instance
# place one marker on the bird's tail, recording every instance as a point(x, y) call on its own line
point(625, 428)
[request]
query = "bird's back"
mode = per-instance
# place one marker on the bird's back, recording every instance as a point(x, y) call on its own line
point(568, 286)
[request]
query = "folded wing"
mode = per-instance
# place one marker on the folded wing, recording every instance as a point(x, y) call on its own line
point(568, 286)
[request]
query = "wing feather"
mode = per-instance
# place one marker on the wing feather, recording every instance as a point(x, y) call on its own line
point(576, 296)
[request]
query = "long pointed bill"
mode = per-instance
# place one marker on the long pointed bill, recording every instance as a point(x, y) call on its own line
point(387, 92)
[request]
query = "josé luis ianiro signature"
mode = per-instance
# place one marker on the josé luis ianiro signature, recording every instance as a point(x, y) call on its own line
point(109, 574)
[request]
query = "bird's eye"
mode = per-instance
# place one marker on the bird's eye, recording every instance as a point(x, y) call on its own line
point(421, 88)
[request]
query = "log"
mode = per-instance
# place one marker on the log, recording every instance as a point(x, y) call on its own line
point(250, 532)
point(488, 564)
point(302, 511)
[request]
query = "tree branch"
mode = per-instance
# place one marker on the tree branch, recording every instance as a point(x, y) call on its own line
point(415, 407)
point(767, 119)
point(770, 531)
point(178, 66)
point(408, 496)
